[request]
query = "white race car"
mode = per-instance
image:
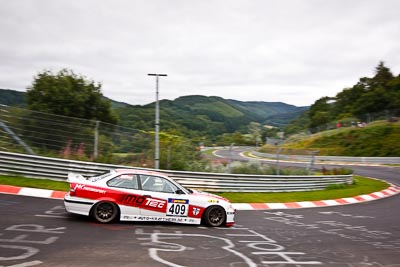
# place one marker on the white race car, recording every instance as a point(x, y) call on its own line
point(137, 195)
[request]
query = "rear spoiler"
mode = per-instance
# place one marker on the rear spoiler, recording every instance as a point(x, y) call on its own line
point(75, 177)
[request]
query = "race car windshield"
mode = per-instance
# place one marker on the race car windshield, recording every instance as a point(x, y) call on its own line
point(188, 190)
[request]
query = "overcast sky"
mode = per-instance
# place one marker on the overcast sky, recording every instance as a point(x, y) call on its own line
point(251, 50)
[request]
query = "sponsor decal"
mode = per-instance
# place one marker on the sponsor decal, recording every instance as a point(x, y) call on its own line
point(178, 201)
point(143, 202)
point(213, 201)
point(196, 211)
point(158, 219)
point(88, 188)
point(155, 203)
point(133, 200)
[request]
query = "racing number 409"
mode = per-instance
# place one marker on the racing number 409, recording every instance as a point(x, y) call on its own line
point(177, 209)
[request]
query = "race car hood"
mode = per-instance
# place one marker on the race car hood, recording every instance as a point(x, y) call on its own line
point(209, 195)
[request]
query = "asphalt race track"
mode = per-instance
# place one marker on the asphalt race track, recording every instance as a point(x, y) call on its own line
point(38, 232)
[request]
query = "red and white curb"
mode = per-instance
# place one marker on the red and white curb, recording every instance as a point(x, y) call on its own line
point(392, 190)
point(32, 192)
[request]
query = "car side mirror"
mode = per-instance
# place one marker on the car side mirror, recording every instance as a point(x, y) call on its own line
point(179, 192)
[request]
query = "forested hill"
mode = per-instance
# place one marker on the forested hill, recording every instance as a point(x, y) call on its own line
point(204, 115)
point(12, 98)
point(208, 115)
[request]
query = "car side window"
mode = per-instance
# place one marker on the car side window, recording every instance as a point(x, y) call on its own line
point(157, 184)
point(128, 181)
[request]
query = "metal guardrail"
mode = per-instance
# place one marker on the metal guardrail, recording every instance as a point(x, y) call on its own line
point(366, 160)
point(44, 167)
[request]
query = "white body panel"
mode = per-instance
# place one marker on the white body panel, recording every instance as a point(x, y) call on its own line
point(135, 204)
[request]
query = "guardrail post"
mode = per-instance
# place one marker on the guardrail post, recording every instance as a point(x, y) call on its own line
point(277, 161)
point(96, 140)
point(230, 158)
point(311, 165)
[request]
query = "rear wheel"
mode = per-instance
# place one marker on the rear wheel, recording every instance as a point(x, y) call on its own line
point(105, 212)
point(214, 216)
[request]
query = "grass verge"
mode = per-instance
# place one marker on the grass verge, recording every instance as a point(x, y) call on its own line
point(361, 186)
point(34, 183)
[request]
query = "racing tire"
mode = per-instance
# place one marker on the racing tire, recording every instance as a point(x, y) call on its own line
point(105, 212)
point(214, 216)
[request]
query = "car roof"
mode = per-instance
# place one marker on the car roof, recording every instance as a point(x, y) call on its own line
point(136, 171)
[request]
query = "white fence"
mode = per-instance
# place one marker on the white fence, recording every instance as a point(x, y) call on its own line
point(44, 167)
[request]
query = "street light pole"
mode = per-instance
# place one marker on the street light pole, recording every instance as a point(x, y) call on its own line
point(157, 125)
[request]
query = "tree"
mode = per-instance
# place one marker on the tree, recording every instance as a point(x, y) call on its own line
point(255, 132)
point(345, 100)
point(69, 94)
point(383, 75)
point(320, 112)
point(378, 94)
point(394, 86)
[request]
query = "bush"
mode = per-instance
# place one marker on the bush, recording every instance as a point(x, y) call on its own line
point(336, 171)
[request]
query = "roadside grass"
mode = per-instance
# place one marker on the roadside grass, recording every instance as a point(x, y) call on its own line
point(377, 139)
point(34, 183)
point(361, 185)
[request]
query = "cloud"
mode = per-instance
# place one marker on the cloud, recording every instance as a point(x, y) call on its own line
point(262, 50)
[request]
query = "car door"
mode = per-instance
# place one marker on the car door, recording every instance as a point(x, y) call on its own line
point(125, 191)
point(161, 199)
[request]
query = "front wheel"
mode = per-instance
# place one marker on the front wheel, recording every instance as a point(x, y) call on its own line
point(214, 216)
point(105, 212)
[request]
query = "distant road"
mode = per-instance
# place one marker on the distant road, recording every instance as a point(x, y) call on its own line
point(386, 173)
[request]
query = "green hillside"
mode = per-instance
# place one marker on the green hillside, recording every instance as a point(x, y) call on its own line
point(206, 115)
point(12, 98)
point(262, 110)
point(377, 139)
